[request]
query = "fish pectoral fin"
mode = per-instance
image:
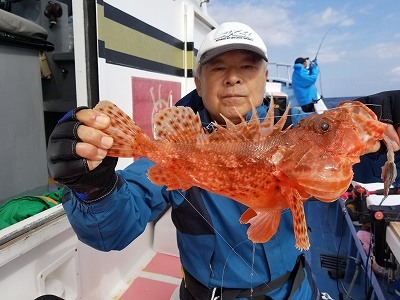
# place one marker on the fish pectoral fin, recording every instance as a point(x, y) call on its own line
point(161, 176)
point(247, 215)
point(299, 223)
point(263, 224)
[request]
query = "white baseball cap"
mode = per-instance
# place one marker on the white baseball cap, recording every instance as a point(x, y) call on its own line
point(227, 37)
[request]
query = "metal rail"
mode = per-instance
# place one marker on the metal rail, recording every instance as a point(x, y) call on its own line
point(280, 73)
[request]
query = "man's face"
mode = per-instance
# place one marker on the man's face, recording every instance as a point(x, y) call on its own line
point(229, 82)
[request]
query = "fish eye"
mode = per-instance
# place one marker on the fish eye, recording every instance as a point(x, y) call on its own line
point(324, 126)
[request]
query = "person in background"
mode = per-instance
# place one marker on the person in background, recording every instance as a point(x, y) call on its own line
point(303, 83)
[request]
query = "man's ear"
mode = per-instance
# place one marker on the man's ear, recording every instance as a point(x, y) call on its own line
point(197, 82)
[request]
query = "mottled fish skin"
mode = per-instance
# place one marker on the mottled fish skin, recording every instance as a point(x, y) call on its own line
point(255, 163)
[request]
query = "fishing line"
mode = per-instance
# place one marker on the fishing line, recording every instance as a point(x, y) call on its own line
point(226, 263)
point(224, 240)
point(316, 56)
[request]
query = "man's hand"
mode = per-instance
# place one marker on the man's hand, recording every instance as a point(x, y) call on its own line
point(392, 135)
point(94, 143)
point(77, 153)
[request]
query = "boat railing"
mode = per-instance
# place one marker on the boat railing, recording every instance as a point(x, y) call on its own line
point(278, 72)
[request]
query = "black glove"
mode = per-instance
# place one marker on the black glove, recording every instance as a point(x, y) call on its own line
point(68, 168)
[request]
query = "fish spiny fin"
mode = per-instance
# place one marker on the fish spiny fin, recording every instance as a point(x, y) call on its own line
point(267, 126)
point(299, 222)
point(254, 124)
point(129, 139)
point(162, 176)
point(281, 123)
point(177, 124)
point(229, 124)
point(243, 131)
point(263, 224)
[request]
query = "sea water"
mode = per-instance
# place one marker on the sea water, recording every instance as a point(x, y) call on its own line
point(329, 102)
point(333, 102)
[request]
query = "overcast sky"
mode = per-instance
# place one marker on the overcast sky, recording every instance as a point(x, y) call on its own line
point(360, 54)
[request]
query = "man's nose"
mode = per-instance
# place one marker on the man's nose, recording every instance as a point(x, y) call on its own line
point(232, 78)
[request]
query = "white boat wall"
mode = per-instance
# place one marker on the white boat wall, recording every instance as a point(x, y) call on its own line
point(138, 54)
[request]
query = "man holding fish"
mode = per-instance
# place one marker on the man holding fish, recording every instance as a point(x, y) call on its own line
point(109, 209)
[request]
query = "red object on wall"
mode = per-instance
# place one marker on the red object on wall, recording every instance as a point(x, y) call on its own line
point(150, 96)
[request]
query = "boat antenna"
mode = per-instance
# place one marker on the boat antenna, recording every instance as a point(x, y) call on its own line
point(316, 55)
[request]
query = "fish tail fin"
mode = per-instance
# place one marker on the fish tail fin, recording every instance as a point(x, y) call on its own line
point(263, 224)
point(129, 139)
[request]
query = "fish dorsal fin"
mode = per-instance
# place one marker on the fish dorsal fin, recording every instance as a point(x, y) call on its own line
point(281, 123)
point(238, 132)
point(267, 126)
point(177, 123)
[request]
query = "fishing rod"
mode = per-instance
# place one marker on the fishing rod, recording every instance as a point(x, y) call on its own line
point(323, 38)
point(316, 56)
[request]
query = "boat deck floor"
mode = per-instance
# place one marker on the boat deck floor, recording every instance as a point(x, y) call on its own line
point(158, 280)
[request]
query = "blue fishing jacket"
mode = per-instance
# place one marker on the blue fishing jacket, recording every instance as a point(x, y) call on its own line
point(303, 83)
point(213, 245)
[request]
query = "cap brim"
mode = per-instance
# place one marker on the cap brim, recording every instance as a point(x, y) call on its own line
point(210, 54)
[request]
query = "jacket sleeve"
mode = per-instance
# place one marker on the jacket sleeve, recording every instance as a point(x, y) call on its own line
point(308, 77)
point(386, 105)
point(117, 219)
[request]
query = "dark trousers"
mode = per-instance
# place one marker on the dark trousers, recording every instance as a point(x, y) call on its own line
point(191, 289)
point(184, 294)
point(308, 108)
